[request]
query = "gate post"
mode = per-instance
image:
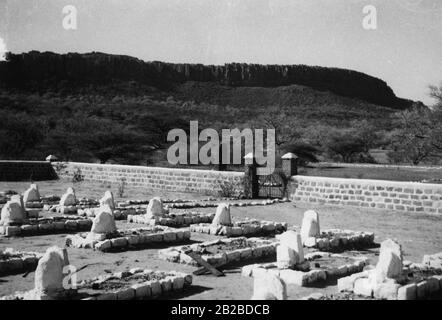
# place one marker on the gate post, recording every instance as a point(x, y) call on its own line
point(290, 164)
point(251, 183)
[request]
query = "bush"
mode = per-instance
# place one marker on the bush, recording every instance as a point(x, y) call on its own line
point(78, 176)
point(229, 189)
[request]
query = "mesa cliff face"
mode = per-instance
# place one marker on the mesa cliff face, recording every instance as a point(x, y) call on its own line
point(35, 70)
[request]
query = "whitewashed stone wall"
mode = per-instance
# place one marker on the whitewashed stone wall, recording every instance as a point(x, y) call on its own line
point(170, 179)
point(379, 194)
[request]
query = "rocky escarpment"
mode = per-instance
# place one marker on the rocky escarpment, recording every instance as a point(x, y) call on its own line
point(36, 70)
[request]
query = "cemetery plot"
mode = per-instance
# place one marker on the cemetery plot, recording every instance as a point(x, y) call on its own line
point(337, 240)
point(48, 225)
point(50, 284)
point(317, 267)
point(221, 252)
point(12, 262)
point(248, 228)
point(393, 280)
point(122, 240)
point(175, 220)
point(292, 267)
point(222, 225)
point(334, 240)
point(134, 284)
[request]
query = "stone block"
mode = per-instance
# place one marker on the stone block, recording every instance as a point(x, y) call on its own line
point(407, 292)
point(363, 287)
point(126, 294)
point(142, 290)
point(422, 290)
point(177, 283)
point(103, 245)
point(12, 231)
point(166, 284)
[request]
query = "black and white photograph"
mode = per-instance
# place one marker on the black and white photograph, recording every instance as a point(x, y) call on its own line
point(229, 150)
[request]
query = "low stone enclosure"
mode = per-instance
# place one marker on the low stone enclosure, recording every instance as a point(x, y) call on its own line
point(51, 225)
point(222, 225)
point(317, 267)
point(394, 279)
point(129, 239)
point(104, 235)
point(136, 283)
point(12, 262)
point(222, 251)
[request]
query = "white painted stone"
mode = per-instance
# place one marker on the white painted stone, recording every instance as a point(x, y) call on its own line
point(68, 199)
point(286, 257)
point(12, 212)
point(108, 199)
point(155, 208)
point(310, 225)
point(49, 272)
point(268, 287)
point(104, 221)
point(390, 261)
point(386, 290)
point(292, 240)
point(363, 287)
point(407, 292)
point(32, 194)
point(222, 215)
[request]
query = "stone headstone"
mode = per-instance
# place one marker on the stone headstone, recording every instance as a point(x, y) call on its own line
point(292, 240)
point(32, 194)
point(286, 257)
point(12, 212)
point(310, 225)
point(68, 199)
point(268, 287)
point(104, 221)
point(108, 199)
point(49, 272)
point(155, 208)
point(390, 260)
point(222, 215)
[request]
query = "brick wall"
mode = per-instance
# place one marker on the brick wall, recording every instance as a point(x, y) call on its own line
point(179, 180)
point(26, 171)
point(380, 194)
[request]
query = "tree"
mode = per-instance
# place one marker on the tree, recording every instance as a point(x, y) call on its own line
point(344, 144)
point(286, 126)
point(18, 134)
point(418, 135)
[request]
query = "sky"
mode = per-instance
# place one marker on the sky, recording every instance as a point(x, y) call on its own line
point(405, 49)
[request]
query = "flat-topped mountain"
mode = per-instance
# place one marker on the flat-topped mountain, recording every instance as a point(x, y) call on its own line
point(36, 70)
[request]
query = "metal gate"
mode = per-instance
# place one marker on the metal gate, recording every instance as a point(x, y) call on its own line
point(272, 185)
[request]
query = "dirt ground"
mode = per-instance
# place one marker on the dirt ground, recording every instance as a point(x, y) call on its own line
point(419, 234)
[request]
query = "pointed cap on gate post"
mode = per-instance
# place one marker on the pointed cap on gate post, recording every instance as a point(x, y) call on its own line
point(289, 155)
point(249, 159)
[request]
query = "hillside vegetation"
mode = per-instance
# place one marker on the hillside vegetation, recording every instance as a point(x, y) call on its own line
point(99, 107)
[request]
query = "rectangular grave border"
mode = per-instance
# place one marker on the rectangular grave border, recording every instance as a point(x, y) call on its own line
point(411, 291)
point(124, 243)
point(242, 228)
point(308, 277)
point(151, 289)
point(22, 261)
point(338, 240)
point(173, 220)
point(50, 226)
point(174, 283)
point(258, 248)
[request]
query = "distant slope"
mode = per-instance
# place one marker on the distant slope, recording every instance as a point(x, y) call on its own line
point(306, 103)
point(41, 71)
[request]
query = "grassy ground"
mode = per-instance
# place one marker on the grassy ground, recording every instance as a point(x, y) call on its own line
point(419, 234)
